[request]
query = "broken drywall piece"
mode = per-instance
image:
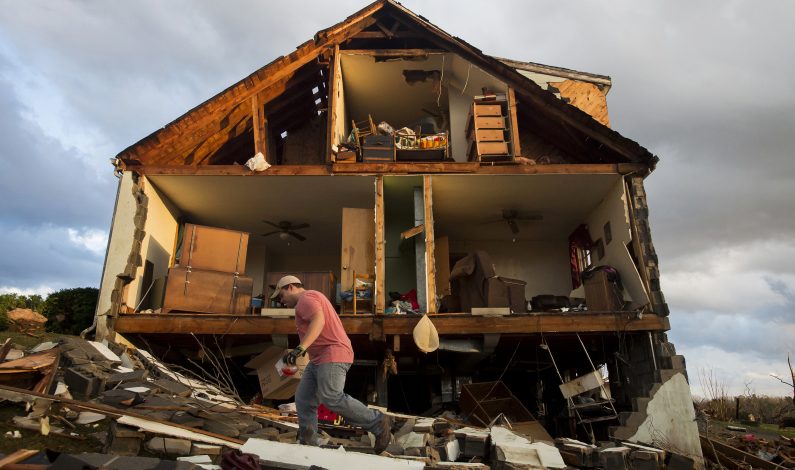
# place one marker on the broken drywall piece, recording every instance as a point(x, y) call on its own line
point(511, 448)
point(332, 459)
point(88, 417)
point(105, 351)
point(159, 428)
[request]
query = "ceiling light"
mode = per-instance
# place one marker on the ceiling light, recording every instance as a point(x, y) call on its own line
point(284, 235)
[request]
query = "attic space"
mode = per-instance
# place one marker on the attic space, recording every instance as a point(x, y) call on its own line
point(432, 90)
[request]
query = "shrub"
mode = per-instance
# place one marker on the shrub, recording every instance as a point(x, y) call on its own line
point(70, 311)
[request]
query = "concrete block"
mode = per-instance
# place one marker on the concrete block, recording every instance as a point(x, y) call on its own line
point(644, 460)
point(614, 458)
point(136, 375)
point(576, 453)
point(81, 385)
point(172, 387)
point(123, 440)
point(169, 445)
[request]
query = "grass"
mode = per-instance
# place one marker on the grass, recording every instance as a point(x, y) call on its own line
point(34, 440)
point(768, 431)
point(27, 341)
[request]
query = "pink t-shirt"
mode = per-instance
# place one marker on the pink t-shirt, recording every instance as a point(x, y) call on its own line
point(333, 344)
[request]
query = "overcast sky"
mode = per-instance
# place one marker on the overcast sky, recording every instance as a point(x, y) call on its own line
point(707, 86)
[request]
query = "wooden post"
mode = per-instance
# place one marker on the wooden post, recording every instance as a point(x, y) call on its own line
point(419, 249)
point(430, 259)
point(260, 124)
point(517, 148)
point(334, 72)
point(380, 266)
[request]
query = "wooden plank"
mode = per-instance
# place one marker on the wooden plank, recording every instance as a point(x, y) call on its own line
point(515, 141)
point(236, 170)
point(640, 254)
point(406, 234)
point(430, 250)
point(334, 74)
point(260, 125)
point(388, 169)
point(380, 247)
point(446, 324)
point(708, 444)
point(394, 52)
point(420, 258)
point(358, 244)
point(18, 456)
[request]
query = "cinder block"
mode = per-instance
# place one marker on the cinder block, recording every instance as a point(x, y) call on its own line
point(614, 458)
point(81, 385)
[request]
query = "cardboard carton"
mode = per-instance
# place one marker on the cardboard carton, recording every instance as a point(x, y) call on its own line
point(272, 383)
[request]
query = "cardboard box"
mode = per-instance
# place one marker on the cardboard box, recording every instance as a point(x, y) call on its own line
point(273, 385)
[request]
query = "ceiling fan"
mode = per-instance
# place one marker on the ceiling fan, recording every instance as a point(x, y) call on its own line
point(511, 216)
point(286, 229)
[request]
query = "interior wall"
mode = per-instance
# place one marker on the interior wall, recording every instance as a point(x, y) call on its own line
point(401, 275)
point(613, 208)
point(255, 266)
point(119, 245)
point(157, 247)
point(459, 112)
point(542, 264)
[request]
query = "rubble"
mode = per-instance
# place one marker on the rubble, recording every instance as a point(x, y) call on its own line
point(82, 390)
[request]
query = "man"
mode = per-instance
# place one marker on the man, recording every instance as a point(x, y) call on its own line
point(322, 335)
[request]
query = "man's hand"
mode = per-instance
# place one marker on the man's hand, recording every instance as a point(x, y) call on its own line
point(292, 357)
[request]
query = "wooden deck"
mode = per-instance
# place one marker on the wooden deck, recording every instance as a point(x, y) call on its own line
point(446, 324)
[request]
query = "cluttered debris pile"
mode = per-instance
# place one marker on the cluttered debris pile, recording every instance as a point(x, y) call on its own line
point(134, 410)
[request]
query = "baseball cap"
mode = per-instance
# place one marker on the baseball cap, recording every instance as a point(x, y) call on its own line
point(283, 282)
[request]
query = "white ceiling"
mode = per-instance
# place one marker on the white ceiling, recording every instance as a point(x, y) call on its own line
point(470, 207)
point(241, 203)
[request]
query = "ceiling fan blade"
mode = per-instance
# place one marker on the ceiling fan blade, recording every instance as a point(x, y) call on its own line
point(297, 235)
point(514, 226)
point(299, 226)
point(494, 221)
point(271, 233)
point(271, 223)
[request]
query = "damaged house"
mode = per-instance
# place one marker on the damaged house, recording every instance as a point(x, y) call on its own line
point(480, 227)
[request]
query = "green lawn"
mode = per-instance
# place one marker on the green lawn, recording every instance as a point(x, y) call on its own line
point(28, 341)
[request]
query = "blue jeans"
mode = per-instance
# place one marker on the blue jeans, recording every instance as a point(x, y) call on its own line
point(324, 384)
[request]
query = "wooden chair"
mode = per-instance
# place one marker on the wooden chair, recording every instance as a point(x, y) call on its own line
point(362, 129)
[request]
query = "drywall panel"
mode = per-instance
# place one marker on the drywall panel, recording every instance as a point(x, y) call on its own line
point(459, 112)
point(157, 246)
point(543, 264)
point(613, 209)
point(670, 422)
point(120, 242)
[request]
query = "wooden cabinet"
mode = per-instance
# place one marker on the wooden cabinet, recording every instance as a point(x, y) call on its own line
point(358, 244)
point(215, 249)
point(324, 282)
point(487, 132)
point(203, 291)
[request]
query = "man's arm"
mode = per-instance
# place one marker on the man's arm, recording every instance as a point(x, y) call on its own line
point(315, 327)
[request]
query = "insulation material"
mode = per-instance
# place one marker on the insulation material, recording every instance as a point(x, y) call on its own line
point(586, 96)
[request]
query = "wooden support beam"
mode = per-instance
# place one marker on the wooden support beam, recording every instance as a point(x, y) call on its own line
point(412, 232)
point(332, 103)
point(515, 141)
point(260, 125)
point(393, 52)
point(380, 248)
point(390, 169)
point(446, 324)
point(430, 247)
point(420, 259)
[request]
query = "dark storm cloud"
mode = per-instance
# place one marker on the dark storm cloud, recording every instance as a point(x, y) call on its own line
point(705, 85)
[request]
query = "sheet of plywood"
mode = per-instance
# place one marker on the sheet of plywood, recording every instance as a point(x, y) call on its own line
point(358, 244)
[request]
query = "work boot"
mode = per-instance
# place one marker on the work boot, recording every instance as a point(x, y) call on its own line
point(384, 437)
